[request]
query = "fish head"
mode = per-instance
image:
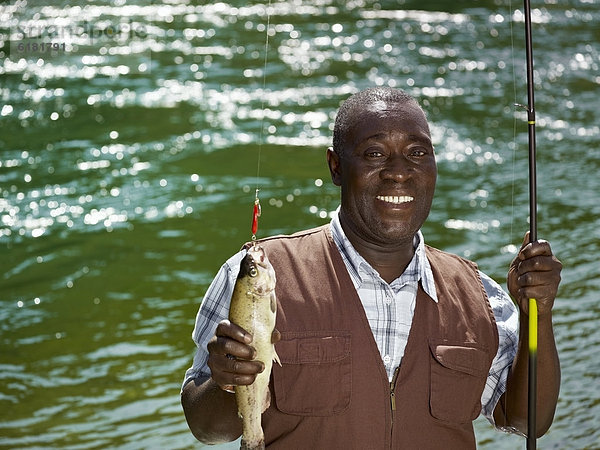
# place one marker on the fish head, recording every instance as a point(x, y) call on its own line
point(258, 270)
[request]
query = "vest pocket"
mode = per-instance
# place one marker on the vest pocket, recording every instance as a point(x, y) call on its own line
point(315, 375)
point(458, 376)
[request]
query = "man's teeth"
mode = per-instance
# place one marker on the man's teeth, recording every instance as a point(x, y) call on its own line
point(395, 198)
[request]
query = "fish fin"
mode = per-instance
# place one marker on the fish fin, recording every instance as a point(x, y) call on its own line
point(276, 356)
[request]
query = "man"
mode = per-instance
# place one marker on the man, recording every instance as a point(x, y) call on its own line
point(384, 342)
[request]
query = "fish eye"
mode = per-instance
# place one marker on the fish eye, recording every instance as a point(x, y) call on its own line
point(253, 271)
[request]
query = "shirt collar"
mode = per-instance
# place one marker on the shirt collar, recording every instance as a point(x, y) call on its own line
point(359, 268)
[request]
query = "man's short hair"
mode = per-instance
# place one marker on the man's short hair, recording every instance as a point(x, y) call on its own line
point(346, 115)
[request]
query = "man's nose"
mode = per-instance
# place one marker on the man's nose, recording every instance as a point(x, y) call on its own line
point(397, 168)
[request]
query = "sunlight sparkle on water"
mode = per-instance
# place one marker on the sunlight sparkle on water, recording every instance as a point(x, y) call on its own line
point(459, 224)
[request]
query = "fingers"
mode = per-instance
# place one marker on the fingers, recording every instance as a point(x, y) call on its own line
point(525, 240)
point(233, 331)
point(536, 264)
point(221, 345)
point(235, 372)
point(231, 357)
point(535, 273)
point(536, 285)
point(532, 249)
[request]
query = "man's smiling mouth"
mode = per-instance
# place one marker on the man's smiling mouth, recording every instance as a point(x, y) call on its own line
point(396, 199)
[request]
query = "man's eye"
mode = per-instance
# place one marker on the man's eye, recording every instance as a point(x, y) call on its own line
point(419, 151)
point(373, 154)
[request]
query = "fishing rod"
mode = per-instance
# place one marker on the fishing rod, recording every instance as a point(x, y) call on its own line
point(533, 315)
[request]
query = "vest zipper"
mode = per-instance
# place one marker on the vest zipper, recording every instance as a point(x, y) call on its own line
point(393, 394)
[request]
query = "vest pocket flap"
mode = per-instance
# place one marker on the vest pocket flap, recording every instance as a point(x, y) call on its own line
point(315, 376)
point(466, 359)
point(313, 347)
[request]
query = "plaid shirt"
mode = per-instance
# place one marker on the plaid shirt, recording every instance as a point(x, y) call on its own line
point(389, 309)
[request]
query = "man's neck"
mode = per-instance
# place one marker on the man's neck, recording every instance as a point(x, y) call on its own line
point(389, 261)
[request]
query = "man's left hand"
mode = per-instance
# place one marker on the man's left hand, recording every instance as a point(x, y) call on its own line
point(534, 273)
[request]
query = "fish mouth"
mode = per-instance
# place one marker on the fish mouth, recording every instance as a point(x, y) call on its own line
point(265, 283)
point(258, 255)
point(395, 199)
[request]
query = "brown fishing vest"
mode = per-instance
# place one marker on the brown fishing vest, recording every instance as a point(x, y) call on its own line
point(332, 390)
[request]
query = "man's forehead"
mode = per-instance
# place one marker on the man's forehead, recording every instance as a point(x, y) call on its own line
point(379, 115)
point(382, 107)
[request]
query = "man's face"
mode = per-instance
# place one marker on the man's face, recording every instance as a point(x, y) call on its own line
point(387, 173)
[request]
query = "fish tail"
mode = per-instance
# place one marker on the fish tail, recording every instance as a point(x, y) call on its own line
point(260, 445)
point(253, 437)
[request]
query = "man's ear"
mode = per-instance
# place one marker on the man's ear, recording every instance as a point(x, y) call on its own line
point(333, 161)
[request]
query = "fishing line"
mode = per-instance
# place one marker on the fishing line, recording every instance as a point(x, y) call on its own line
point(514, 154)
point(514, 141)
point(257, 209)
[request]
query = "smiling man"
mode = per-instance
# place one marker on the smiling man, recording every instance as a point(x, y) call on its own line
point(384, 162)
point(384, 342)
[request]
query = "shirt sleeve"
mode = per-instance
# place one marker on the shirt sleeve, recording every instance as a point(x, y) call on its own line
point(507, 321)
point(214, 308)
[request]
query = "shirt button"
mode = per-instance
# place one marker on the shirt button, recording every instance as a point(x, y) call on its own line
point(387, 359)
point(388, 299)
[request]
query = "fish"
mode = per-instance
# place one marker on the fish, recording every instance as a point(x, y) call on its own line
point(253, 307)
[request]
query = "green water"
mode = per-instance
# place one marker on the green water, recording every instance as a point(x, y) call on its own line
point(128, 164)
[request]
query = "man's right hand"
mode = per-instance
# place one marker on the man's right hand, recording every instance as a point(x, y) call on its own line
point(213, 419)
point(231, 357)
